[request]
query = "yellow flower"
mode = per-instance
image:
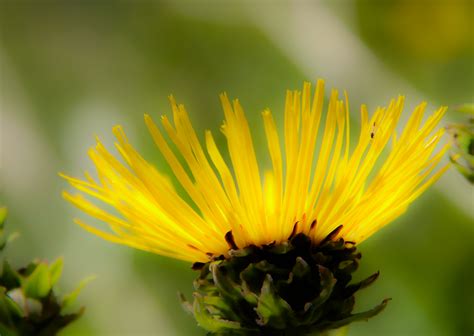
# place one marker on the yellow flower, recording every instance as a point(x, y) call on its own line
point(316, 183)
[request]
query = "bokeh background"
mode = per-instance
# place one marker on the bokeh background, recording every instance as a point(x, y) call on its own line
point(70, 70)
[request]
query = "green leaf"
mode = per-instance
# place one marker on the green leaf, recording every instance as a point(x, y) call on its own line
point(38, 284)
point(69, 299)
point(3, 215)
point(55, 270)
point(272, 309)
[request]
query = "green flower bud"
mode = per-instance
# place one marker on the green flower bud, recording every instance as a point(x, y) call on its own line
point(29, 303)
point(462, 135)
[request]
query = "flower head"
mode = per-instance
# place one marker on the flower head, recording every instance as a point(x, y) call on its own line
point(317, 180)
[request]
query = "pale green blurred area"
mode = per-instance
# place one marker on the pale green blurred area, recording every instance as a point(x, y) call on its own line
point(72, 70)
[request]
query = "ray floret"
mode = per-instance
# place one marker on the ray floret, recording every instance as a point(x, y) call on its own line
point(318, 178)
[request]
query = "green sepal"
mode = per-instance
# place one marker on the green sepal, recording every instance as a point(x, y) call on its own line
point(9, 277)
point(38, 284)
point(354, 318)
point(301, 268)
point(29, 269)
point(8, 307)
point(3, 215)
point(225, 285)
point(313, 309)
point(208, 321)
point(33, 307)
point(273, 311)
point(466, 108)
point(55, 270)
point(361, 285)
point(294, 288)
point(282, 248)
point(3, 238)
point(188, 307)
point(5, 331)
point(69, 299)
point(248, 295)
point(243, 252)
point(15, 299)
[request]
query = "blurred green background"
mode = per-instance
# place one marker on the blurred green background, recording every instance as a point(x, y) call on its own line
point(70, 70)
